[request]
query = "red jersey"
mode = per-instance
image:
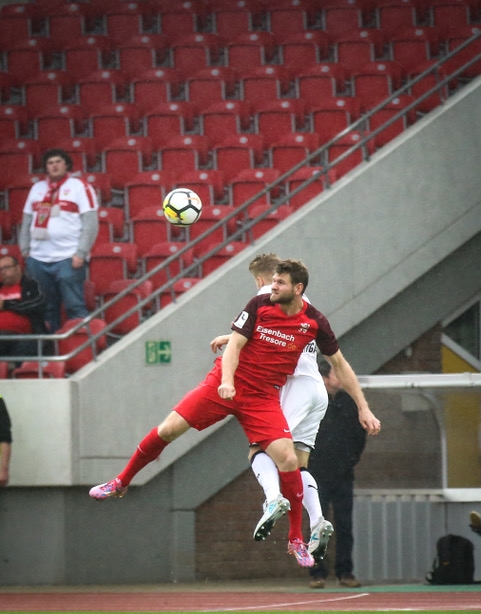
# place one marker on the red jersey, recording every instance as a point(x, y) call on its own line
point(276, 340)
point(10, 320)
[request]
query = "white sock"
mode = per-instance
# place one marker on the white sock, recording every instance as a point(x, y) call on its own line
point(266, 473)
point(311, 499)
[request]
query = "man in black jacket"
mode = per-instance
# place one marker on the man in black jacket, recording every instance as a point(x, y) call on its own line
point(22, 309)
point(339, 445)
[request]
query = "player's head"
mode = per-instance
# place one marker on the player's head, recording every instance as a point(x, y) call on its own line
point(263, 268)
point(296, 269)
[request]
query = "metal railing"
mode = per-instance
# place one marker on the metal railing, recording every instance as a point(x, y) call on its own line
point(445, 85)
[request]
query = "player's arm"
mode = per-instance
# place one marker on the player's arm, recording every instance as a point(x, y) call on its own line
point(219, 342)
point(350, 383)
point(230, 361)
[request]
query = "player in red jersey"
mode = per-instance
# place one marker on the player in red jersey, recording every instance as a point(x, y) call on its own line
point(267, 340)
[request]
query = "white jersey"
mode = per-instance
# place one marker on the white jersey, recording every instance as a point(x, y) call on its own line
point(64, 225)
point(304, 396)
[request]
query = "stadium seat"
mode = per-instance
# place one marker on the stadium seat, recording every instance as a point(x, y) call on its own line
point(265, 83)
point(82, 150)
point(65, 22)
point(221, 256)
point(168, 120)
point(425, 84)
point(122, 305)
point(211, 85)
point(16, 193)
point(231, 20)
point(355, 48)
point(386, 113)
point(287, 17)
point(75, 340)
point(13, 121)
point(58, 122)
point(179, 16)
point(184, 153)
point(147, 189)
point(301, 49)
point(238, 152)
point(250, 50)
point(26, 57)
point(158, 254)
point(156, 86)
point(447, 14)
point(453, 39)
point(207, 184)
point(125, 20)
point(391, 17)
point(101, 88)
point(248, 183)
point(110, 262)
point(376, 81)
point(111, 225)
point(18, 157)
point(6, 226)
point(414, 46)
point(125, 157)
point(211, 215)
point(194, 52)
point(331, 117)
point(8, 85)
point(46, 89)
point(224, 119)
point(309, 191)
point(150, 227)
point(268, 222)
point(42, 369)
point(113, 121)
point(291, 149)
point(141, 52)
point(319, 81)
point(86, 55)
point(179, 287)
point(341, 19)
point(102, 185)
point(16, 22)
point(355, 158)
point(279, 117)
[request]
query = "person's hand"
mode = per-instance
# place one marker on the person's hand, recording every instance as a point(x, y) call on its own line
point(219, 342)
point(226, 391)
point(77, 262)
point(369, 422)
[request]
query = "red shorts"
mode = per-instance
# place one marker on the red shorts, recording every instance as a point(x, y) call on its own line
point(259, 415)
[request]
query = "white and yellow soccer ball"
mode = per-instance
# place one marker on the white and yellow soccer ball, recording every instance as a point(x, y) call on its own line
point(182, 207)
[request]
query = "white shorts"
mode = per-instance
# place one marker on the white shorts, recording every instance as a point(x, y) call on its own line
point(304, 403)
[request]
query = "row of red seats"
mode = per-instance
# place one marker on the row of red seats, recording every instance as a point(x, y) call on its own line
point(71, 20)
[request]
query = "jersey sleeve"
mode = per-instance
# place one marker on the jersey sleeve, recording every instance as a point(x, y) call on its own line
point(245, 321)
point(326, 339)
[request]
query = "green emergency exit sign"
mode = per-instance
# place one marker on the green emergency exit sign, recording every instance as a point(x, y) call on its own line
point(158, 352)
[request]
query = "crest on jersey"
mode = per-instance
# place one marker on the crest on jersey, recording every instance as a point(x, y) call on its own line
point(304, 327)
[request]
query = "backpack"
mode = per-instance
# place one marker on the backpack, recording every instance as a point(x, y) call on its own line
point(454, 562)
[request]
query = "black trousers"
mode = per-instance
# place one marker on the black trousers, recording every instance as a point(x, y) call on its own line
point(337, 500)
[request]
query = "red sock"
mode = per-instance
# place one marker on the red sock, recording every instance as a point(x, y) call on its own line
point(291, 488)
point(147, 451)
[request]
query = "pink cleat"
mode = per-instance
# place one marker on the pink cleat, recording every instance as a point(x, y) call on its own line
point(299, 549)
point(113, 488)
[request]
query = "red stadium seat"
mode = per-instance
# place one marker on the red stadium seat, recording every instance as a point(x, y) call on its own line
point(46, 89)
point(36, 370)
point(110, 262)
point(211, 215)
point(111, 225)
point(269, 221)
point(8, 85)
point(147, 189)
point(208, 185)
point(149, 88)
point(193, 52)
point(291, 149)
point(265, 83)
point(13, 121)
point(211, 85)
point(279, 117)
point(449, 14)
point(150, 227)
point(301, 49)
point(331, 117)
point(414, 46)
point(342, 146)
point(395, 16)
point(454, 38)
point(231, 20)
point(376, 81)
point(16, 194)
point(386, 113)
point(249, 182)
point(320, 81)
point(82, 150)
point(16, 22)
point(113, 121)
point(224, 119)
point(101, 88)
point(58, 122)
point(26, 57)
point(69, 344)
point(184, 153)
point(6, 226)
point(179, 16)
point(125, 19)
point(65, 22)
point(158, 254)
point(122, 305)
point(86, 55)
point(425, 84)
point(168, 120)
point(238, 152)
point(250, 50)
point(309, 191)
point(287, 17)
point(18, 158)
point(358, 47)
point(102, 185)
point(141, 52)
point(125, 157)
point(341, 19)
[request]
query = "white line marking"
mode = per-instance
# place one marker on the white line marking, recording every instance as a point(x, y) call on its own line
point(287, 604)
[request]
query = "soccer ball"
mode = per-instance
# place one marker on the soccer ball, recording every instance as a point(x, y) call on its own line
point(182, 207)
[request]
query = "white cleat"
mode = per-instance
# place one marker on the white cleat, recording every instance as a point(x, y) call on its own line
point(272, 512)
point(320, 536)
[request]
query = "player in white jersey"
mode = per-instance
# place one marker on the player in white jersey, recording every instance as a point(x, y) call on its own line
point(304, 402)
